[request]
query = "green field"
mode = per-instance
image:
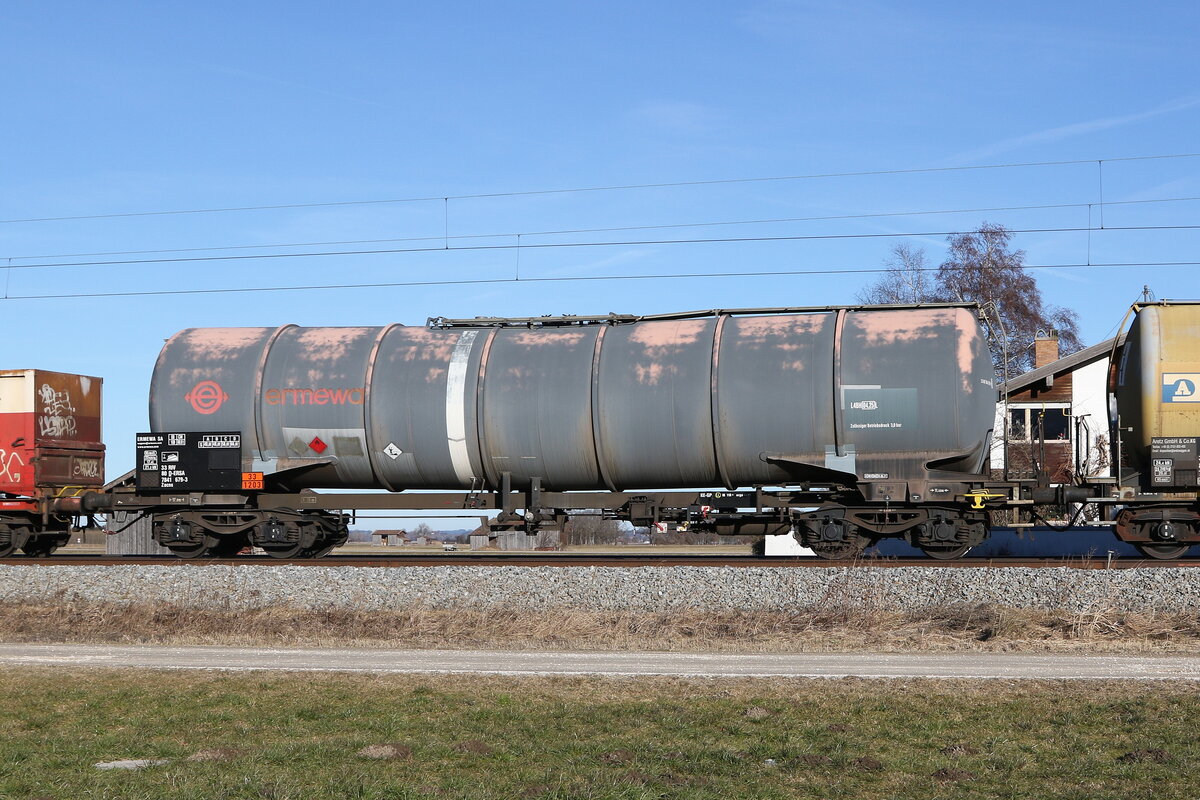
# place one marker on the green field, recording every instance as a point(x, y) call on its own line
point(294, 736)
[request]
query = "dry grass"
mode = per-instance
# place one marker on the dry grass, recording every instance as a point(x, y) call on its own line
point(821, 629)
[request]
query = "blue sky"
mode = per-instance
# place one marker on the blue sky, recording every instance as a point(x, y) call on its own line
point(129, 107)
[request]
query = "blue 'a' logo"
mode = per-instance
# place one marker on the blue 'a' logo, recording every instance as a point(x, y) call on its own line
point(1177, 388)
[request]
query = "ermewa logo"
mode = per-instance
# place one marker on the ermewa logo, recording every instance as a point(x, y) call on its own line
point(206, 397)
point(353, 396)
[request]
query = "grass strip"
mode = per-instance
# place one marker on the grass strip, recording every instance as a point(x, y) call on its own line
point(282, 736)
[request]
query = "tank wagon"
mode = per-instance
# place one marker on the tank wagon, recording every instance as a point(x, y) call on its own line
point(1155, 425)
point(839, 425)
point(880, 418)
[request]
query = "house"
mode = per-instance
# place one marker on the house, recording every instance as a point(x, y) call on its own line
point(389, 538)
point(1054, 418)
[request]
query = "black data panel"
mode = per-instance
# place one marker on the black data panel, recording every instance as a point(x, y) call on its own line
point(1174, 461)
point(726, 500)
point(190, 462)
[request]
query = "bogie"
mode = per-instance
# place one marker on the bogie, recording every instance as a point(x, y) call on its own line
point(281, 533)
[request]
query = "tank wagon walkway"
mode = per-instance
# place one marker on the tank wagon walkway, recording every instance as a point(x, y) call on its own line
point(1004, 666)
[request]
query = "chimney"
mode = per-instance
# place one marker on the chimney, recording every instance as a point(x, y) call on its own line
point(1045, 348)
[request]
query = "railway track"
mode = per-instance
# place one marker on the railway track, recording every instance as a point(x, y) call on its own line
point(591, 560)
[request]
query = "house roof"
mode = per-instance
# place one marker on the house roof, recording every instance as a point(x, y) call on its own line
point(1088, 355)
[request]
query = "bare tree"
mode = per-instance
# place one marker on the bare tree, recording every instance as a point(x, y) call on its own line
point(908, 279)
point(981, 267)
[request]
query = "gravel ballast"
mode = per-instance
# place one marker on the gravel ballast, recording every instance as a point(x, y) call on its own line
point(652, 589)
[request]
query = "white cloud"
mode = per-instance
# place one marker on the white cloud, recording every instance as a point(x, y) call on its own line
point(1075, 129)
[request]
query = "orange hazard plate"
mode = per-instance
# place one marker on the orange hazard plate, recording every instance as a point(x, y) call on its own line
point(252, 480)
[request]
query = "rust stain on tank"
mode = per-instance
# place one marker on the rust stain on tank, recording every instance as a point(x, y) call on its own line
point(660, 340)
point(787, 335)
point(547, 338)
point(220, 343)
point(421, 344)
point(969, 343)
point(187, 377)
point(760, 330)
point(651, 374)
point(331, 344)
point(519, 378)
point(671, 333)
point(882, 328)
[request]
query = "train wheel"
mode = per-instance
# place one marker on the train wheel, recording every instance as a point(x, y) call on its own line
point(837, 551)
point(325, 543)
point(297, 550)
point(188, 550)
point(850, 547)
point(319, 551)
point(1162, 552)
point(946, 553)
point(12, 538)
point(40, 546)
point(193, 549)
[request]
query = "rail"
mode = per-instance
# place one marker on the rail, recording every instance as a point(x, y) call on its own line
point(527, 559)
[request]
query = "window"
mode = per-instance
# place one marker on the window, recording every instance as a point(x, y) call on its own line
point(1053, 424)
point(1018, 424)
point(1039, 424)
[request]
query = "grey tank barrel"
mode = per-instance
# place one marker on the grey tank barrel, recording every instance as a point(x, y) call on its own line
point(708, 399)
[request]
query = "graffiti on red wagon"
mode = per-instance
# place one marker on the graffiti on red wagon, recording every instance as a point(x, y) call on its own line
point(10, 466)
point(58, 413)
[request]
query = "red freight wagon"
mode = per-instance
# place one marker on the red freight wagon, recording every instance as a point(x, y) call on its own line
point(50, 450)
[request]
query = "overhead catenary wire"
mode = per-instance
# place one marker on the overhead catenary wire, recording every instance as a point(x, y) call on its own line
point(584, 189)
point(518, 245)
point(445, 237)
point(557, 279)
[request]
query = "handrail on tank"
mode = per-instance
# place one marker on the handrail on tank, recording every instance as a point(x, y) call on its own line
point(625, 319)
point(1140, 304)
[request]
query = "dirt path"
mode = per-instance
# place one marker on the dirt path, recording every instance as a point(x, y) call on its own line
point(833, 665)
